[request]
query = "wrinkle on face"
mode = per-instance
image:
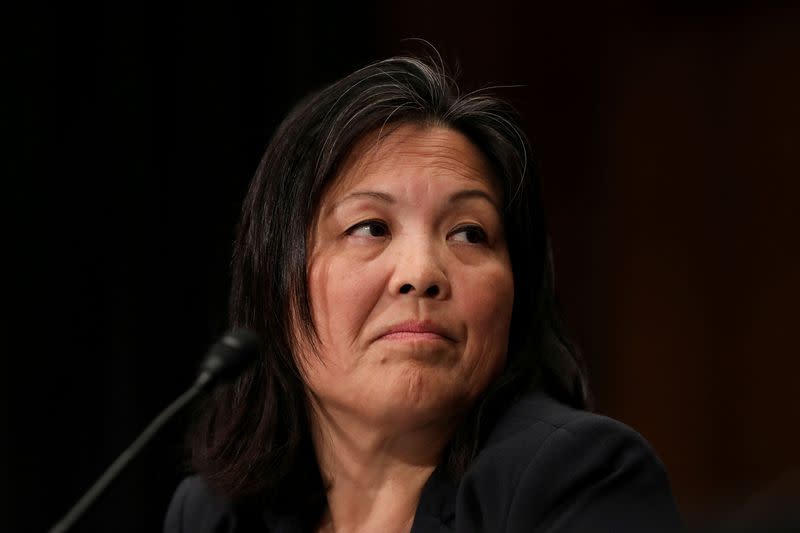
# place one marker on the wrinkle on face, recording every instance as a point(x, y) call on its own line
point(409, 178)
point(421, 144)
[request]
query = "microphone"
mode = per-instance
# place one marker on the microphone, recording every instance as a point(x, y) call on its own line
point(224, 360)
point(229, 356)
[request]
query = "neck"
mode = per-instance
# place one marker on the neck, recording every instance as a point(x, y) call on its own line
point(374, 474)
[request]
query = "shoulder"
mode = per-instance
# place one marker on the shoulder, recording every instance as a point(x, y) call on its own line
point(536, 422)
point(548, 467)
point(196, 508)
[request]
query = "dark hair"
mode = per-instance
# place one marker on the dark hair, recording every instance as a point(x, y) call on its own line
point(253, 441)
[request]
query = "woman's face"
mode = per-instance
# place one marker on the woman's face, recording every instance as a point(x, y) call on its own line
point(409, 279)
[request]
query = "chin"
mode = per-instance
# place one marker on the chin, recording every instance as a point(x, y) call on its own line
point(418, 397)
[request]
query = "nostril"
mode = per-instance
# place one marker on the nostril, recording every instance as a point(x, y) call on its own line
point(405, 289)
point(433, 290)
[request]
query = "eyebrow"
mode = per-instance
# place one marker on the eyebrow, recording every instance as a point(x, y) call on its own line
point(382, 196)
point(468, 194)
point(460, 196)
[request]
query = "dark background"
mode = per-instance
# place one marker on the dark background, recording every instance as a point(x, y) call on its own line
point(667, 135)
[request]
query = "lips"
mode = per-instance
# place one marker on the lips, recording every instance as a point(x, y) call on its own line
point(416, 329)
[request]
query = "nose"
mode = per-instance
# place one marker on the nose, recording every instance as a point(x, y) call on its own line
point(419, 271)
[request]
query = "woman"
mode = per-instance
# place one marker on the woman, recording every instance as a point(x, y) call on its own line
point(415, 377)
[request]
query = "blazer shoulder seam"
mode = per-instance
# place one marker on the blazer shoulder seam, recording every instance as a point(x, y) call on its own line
point(530, 463)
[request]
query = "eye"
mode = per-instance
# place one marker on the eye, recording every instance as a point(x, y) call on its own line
point(369, 228)
point(469, 234)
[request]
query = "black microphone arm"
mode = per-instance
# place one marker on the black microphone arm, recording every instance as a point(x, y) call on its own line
point(226, 359)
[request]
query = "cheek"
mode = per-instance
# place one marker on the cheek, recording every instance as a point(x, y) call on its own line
point(486, 309)
point(342, 293)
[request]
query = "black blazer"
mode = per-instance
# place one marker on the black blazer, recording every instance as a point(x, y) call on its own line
point(544, 467)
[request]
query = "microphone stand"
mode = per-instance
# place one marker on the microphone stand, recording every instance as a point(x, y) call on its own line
point(227, 358)
point(125, 458)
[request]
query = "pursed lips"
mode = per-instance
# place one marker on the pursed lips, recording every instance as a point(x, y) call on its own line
point(416, 330)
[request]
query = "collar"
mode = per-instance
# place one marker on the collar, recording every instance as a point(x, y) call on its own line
point(437, 504)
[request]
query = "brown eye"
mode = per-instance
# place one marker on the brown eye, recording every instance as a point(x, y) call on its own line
point(469, 234)
point(369, 228)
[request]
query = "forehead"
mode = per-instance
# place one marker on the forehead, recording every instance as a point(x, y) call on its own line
point(384, 158)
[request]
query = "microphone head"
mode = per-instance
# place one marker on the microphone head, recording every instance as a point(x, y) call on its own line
point(229, 355)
